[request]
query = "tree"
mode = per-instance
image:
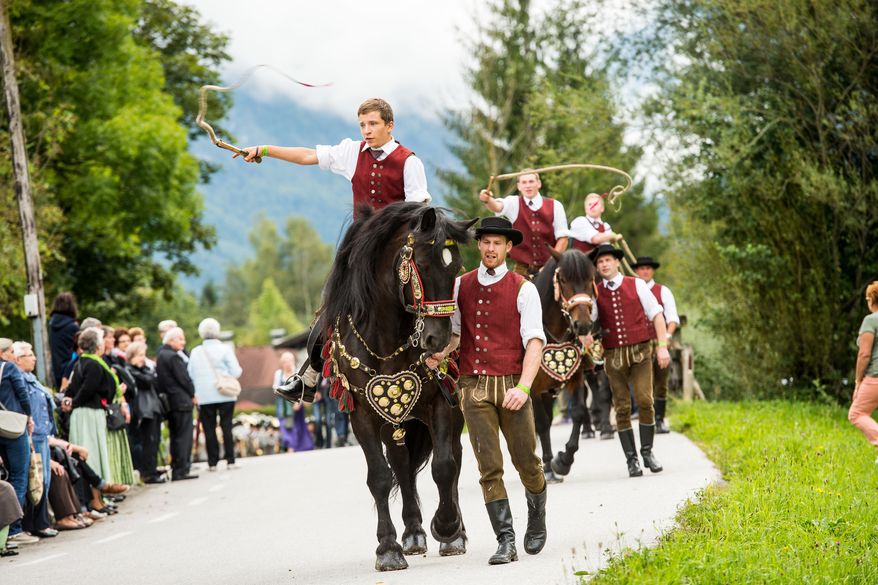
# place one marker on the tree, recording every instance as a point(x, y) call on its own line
point(268, 311)
point(774, 110)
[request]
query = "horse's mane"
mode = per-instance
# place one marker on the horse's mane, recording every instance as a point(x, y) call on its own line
point(354, 281)
point(574, 264)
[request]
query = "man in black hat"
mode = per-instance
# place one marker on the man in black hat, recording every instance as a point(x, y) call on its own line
point(498, 325)
point(625, 308)
point(645, 268)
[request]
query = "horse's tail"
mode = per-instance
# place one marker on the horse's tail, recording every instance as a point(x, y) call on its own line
point(419, 444)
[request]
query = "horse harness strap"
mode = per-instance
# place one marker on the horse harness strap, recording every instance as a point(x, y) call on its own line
point(410, 275)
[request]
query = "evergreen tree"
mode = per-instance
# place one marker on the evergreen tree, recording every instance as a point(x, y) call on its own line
point(268, 311)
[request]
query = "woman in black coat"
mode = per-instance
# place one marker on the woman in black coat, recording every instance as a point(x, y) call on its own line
point(63, 326)
point(149, 411)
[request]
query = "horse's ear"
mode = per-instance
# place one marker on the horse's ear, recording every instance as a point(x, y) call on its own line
point(428, 220)
point(555, 253)
point(470, 223)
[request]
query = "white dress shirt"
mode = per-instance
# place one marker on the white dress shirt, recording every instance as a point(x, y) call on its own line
point(510, 212)
point(651, 307)
point(341, 159)
point(584, 228)
point(528, 302)
point(669, 302)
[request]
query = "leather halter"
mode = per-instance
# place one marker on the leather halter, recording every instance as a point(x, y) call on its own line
point(410, 275)
point(576, 300)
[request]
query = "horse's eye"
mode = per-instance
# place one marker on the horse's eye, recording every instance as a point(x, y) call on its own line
point(447, 257)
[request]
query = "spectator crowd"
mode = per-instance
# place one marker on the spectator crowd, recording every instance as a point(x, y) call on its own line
point(69, 454)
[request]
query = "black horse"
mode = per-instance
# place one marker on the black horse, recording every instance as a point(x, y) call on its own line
point(387, 306)
point(566, 288)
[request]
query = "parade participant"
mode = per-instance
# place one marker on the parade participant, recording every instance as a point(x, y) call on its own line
point(589, 231)
point(381, 172)
point(645, 268)
point(380, 169)
point(498, 326)
point(865, 398)
point(624, 309)
point(541, 220)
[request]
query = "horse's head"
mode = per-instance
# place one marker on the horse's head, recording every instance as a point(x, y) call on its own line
point(427, 265)
point(574, 288)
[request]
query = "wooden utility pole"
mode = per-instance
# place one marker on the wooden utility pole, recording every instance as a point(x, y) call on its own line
point(34, 301)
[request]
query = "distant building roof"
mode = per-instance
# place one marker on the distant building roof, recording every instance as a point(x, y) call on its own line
point(259, 363)
point(295, 341)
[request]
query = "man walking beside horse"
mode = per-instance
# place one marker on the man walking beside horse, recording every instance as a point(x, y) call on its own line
point(498, 326)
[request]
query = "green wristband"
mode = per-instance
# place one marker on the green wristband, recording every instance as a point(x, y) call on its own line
point(264, 150)
point(523, 388)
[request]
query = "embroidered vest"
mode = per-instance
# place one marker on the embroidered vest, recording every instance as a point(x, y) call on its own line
point(587, 247)
point(621, 315)
point(538, 228)
point(379, 183)
point(490, 326)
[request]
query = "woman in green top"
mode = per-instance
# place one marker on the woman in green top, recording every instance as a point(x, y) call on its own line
point(866, 390)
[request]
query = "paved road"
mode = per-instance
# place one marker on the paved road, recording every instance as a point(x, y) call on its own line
point(308, 518)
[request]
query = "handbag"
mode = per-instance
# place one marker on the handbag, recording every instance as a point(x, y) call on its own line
point(12, 424)
point(225, 384)
point(115, 418)
point(35, 479)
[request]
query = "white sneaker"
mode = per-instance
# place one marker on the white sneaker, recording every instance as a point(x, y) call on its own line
point(24, 538)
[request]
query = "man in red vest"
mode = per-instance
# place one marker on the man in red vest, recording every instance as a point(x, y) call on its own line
point(380, 169)
point(499, 328)
point(625, 308)
point(645, 268)
point(542, 221)
point(590, 231)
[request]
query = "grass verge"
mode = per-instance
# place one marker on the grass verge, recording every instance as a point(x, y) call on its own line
point(800, 506)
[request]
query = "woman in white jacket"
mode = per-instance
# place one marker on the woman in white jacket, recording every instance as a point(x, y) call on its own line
point(205, 362)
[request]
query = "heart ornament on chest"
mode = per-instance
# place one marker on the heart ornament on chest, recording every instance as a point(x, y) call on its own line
point(561, 360)
point(394, 397)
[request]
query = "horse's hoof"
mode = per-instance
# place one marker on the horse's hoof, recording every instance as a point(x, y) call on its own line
point(414, 543)
point(559, 467)
point(450, 549)
point(391, 560)
point(587, 434)
point(551, 477)
point(455, 533)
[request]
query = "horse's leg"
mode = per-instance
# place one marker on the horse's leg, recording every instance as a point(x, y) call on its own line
point(587, 426)
point(367, 428)
point(447, 523)
point(543, 407)
point(562, 462)
point(414, 539)
point(602, 400)
point(458, 545)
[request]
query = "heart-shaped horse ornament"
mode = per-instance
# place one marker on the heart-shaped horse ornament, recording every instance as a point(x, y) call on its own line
point(394, 397)
point(561, 360)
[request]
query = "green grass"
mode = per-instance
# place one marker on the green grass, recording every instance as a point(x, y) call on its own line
point(800, 505)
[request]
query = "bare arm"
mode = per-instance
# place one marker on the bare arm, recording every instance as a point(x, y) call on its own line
point(294, 154)
point(495, 205)
point(561, 244)
point(603, 238)
point(664, 358)
point(517, 397)
point(865, 344)
point(434, 360)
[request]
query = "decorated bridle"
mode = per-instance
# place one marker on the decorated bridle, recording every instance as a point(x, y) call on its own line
point(411, 276)
point(568, 304)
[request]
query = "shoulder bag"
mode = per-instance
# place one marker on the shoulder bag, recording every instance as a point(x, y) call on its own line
point(225, 384)
point(12, 424)
point(35, 478)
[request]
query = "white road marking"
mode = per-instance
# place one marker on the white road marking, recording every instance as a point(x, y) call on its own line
point(163, 518)
point(116, 536)
point(44, 559)
point(197, 501)
point(216, 488)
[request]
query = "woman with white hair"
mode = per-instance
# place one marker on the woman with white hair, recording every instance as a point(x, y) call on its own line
point(207, 364)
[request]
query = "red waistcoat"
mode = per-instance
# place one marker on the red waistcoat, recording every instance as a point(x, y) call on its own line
point(656, 291)
point(490, 326)
point(621, 315)
point(538, 228)
point(379, 183)
point(588, 246)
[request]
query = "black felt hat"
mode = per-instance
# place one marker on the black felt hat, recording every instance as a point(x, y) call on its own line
point(499, 226)
point(605, 249)
point(646, 261)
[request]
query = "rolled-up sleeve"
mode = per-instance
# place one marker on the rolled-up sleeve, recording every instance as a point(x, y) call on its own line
point(341, 159)
point(510, 208)
point(530, 311)
point(650, 305)
point(415, 181)
point(560, 221)
point(455, 318)
point(671, 315)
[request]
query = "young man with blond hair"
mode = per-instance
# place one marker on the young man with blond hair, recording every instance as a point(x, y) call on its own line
point(590, 231)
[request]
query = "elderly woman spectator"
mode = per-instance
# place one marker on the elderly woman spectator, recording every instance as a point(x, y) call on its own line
point(149, 411)
point(174, 381)
point(207, 362)
point(62, 327)
point(865, 399)
point(36, 518)
point(15, 452)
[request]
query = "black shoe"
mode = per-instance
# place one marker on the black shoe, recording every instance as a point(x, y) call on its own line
point(647, 434)
point(294, 390)
point(607, 435)
point(535, 536)
point(115, 498)
point(501, 522)
point(182, 477)
point(156, 479)
point(661, 426)
point(629, 447)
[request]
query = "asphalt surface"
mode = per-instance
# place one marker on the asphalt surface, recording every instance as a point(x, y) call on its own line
point(308, 518)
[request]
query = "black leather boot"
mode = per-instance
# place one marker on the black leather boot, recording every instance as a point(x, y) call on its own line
point(661, 426)
point(501, 520)
point(647, 434)
point(626, 437)
point(295, 390)
point(535, 536)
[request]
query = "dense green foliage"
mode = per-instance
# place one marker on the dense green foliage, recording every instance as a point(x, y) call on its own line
point(772, 111)
point(114, 184)
point(542, 97)
point(798, 507)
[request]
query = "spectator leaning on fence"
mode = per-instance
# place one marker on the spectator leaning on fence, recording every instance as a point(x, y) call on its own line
point(865, 399)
